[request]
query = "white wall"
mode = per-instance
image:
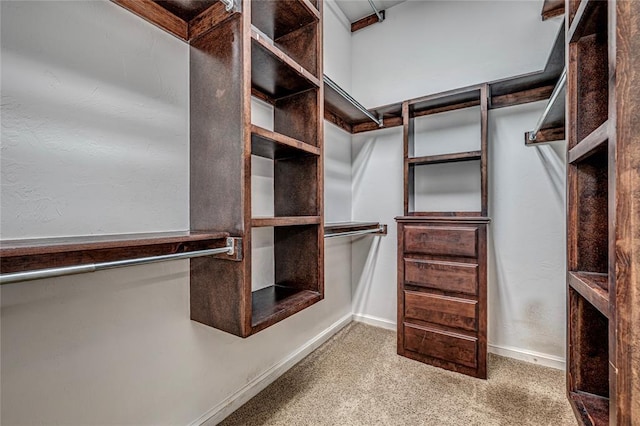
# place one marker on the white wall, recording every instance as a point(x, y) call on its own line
point(95, 140)
point(427, 47)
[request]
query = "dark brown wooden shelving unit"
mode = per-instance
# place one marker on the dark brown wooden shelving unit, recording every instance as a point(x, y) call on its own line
point(42, 253)
point(442, 256)
point(603, 207)
point(271, 50)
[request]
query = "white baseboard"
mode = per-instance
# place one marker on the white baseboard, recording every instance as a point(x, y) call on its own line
point(533, 357)
point(251, 389)
point(375, 321)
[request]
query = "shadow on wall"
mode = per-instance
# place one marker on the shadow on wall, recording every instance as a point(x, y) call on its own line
point(364, 268)
point(361, 153)
point(554, 167)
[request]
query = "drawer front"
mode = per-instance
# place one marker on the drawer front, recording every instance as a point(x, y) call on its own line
point(446, 276)
point(441, 240)
point(449, 311)
point(451, 347)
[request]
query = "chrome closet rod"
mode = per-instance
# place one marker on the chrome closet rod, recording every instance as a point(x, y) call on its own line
point(228, 4)
point(379, 230)
point(375, 10)
point(94, 267)
point(352, 101)
point(554, 95)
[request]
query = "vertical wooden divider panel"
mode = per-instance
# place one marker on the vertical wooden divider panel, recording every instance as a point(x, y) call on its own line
point(218, 195)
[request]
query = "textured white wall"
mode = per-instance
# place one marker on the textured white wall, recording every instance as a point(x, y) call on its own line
point(527, 293)
point(434, 46)
point(95, 132)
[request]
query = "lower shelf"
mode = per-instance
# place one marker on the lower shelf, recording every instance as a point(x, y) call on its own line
point(277, 302)
point(590, 409)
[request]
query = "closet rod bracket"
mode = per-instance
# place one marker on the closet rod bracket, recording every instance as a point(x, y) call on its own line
point(228, 5)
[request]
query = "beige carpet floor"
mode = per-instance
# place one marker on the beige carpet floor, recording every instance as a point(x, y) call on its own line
point(356, 378)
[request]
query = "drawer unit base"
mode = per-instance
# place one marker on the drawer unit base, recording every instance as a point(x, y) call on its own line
point(442, 292)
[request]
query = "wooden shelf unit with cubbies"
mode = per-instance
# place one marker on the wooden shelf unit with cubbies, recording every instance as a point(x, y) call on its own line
point(270, 50)
point(603, 211)
point(442, 255)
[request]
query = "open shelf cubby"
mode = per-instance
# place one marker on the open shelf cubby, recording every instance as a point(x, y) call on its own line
point(590, 217)
point(592, 79)
point(286, 272)
point(589, 367)
point(257, 165)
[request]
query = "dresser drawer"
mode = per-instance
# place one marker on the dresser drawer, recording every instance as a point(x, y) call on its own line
point(449, 311)
point(441, 240)
point(446, 276)
point(451, 347)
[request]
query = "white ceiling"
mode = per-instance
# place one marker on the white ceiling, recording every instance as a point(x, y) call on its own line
point(357, 9)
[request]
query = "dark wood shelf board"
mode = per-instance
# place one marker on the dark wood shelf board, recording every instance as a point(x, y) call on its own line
point(340, 227)
point(367, 21)
point(450, 100)
point(185, 19)
point(275, 303)
point(552, 8)
point(340, 106)
point(274, 74)
point(590, 409)
point(30, 254)
point(445, 158)
point(185, 9)
point(260, 222)
point(590, 145)
point(277, 18)
point(590, 17)
point(464, 217)
point(276, 146)
point(594, 287)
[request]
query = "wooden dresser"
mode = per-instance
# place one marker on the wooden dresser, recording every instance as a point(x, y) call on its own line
point(442, 292)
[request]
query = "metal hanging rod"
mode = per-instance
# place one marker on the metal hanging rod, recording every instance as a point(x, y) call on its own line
point(228, 4)
point(94, 267)
point(352, 101)
point(554, 95)
point(378, 230)
point(376, 11)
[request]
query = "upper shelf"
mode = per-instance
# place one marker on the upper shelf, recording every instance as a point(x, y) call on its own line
point(33, 254)
point(446, 101)
point(185, 19)
point(277, 18)
point(550, 126)
point(346, 112)
point(590, 17)
point(551, 8)
point(273, 73)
